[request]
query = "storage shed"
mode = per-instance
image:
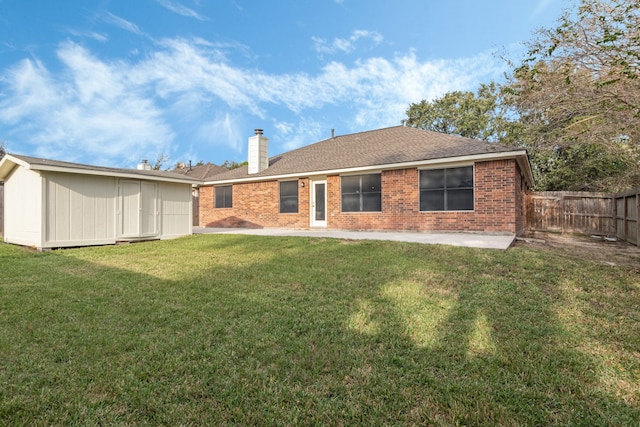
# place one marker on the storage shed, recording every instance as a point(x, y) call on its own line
point(52, 204)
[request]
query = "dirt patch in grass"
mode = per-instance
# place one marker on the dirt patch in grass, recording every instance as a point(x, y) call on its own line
point(585, 247)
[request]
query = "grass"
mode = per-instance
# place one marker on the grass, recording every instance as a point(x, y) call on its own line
point(246, 330)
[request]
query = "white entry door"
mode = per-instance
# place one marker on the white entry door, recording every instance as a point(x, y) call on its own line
point(138, 209)
point(318, 203)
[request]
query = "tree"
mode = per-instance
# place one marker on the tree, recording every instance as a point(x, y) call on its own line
point(2, 150)
point(182, 165)
point(161, 160)
point(577, 95)
point(573, 102)
point(479, 116)
point(233, 164)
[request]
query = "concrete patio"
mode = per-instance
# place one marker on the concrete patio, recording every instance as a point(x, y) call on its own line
point(472, 240)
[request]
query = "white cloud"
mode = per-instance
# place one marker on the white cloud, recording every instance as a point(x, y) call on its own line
point(122, 23)
point(222, 130)
point(181, 9)
point(87, 110)
point(347, 45)
point(187, 90)
point(89, 34)
point(295, 135)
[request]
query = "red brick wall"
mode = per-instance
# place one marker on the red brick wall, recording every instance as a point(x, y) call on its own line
point(498, 194)
point(254, 205)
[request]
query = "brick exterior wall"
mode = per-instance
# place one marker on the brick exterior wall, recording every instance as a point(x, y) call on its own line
point(499, 194)
point(255, 205)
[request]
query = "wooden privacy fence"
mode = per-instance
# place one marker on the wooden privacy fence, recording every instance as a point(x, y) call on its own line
point(625, 211)
point(195, 198)
point(585, 213)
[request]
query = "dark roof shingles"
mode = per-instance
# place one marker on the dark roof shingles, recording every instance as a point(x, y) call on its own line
point(206, 171)
point(380, 147)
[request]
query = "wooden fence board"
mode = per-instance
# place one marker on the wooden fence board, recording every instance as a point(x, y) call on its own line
point(196, 208)
point(632, 236)
point(627, 216)
point(586, 213)
point(543, 213)
point(632, 219)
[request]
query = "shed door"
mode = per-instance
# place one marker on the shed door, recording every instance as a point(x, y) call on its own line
point(148, 209)
point(138, 209)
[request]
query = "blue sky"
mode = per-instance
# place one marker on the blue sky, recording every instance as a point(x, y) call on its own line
point(110, 82)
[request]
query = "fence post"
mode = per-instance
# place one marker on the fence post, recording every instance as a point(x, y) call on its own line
point(624, 218)
point(614, 210)
point(563, 226)
point(638, 219)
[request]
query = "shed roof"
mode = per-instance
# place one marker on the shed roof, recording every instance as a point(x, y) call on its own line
point(390, 147)
point(10, 161)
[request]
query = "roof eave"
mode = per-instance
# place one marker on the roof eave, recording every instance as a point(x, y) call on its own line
point(9, 162)
point(525, 166)
point(118, 174)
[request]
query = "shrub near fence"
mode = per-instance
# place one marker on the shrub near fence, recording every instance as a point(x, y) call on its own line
point(585, 213)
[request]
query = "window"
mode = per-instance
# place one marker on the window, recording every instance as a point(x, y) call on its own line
point(446, 189)
point(223, 197)
point(289, 197)
point(361, 193)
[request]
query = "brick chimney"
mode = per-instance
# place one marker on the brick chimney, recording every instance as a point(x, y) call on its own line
point(258, 152)
point(144, 166)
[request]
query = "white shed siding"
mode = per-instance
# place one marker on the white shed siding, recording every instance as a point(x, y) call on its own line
point(80, 210)
point(50, 204)
point(129, 209)
point(176, 209)
point(149, 208)
point(23, 208)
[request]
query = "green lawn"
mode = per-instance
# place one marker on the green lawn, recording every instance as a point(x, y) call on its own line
point(246, 330)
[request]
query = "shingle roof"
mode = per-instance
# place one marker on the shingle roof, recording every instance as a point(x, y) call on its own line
point(203, 172)
point(39, 163)
point(380, 147)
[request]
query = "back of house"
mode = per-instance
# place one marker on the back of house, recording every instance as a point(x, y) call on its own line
point(397, 178)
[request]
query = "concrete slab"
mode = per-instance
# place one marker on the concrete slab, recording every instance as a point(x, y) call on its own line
point(472, 240)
